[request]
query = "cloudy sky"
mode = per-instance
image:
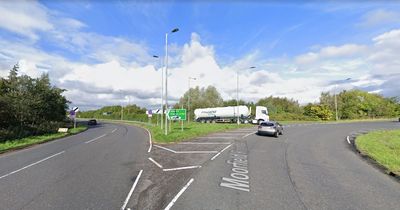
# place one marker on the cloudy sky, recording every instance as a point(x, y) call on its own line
point(102, 51)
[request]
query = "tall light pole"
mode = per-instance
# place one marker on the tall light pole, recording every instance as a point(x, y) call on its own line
point(162, 94)
point(188, 106)
point(237, 93)
point(336, 105)
point(166, 78)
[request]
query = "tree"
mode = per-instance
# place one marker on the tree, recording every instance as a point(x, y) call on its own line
point(29, 106)
point(318, 111)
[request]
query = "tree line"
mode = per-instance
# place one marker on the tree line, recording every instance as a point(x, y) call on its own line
point(352, 104)
point(29, 106)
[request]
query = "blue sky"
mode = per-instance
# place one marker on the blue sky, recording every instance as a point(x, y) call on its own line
point(290, 43)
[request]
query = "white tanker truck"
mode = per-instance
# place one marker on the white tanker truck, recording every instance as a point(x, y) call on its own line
point(230, 114)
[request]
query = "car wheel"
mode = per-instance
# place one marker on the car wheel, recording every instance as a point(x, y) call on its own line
point(281, 133)
point(276, 134)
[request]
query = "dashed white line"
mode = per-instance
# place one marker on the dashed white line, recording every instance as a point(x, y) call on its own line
point(181, 168)
point(95, 139)
point(179, 194)
point(248, 135)
point(114, 130)
point(131, 191)
point(30, 165)
point(185, 152)
point(215, 156)
point(348, 139)
point(155, 162)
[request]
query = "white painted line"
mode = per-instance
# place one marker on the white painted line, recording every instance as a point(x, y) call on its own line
point(155, 162)
point(181, 168)
point(114, 130)
point(150, 142)
point(215, 137)
point(170, 150)
point(215, 156)
point(179, 194)
point(32, 164)
point(185, 152)
point(95, 139)
point(205, 143)
point(195, 152)
point(348, 140)
point(248, 135)
point(131, 191)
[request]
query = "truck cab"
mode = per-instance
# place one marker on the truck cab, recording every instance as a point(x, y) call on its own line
point(261, 115)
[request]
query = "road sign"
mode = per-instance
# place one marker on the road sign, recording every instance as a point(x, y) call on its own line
point(177, 114)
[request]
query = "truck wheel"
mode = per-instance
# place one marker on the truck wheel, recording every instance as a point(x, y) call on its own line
point(260, 121)
point(203, 121)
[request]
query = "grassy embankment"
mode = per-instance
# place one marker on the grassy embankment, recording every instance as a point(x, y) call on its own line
point(32, 140)
point(383, 147)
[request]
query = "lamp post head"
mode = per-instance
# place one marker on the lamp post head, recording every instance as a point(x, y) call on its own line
point(155, 56)
point(252, 67)
point(175, 30)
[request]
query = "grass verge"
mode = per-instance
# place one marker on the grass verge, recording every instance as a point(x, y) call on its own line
point(32, 140)
point(191, 130)
point(383, 147)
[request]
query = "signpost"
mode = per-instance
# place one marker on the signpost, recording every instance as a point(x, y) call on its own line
point(72, 114)
point(177, 114)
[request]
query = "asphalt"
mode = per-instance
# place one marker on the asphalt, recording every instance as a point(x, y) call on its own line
point(91, 170)
point(311, 166)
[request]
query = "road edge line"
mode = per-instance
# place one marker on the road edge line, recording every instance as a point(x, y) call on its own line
point(131, 191)
point(179, 194)
point(150, 141)
point(348, 140)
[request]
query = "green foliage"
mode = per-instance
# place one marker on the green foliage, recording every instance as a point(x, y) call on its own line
point(277, 105)
point(200, 98)
point(318, 111)
point(29, 106)
point(130, 112)
point(357, 104)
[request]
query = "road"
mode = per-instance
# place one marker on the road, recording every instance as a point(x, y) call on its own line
point(310, 167)
point(91, 170)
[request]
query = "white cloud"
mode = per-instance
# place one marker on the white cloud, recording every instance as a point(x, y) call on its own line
point(16, 16)
point(379, 17)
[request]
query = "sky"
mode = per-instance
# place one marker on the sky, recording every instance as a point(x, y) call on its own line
point(101, 52)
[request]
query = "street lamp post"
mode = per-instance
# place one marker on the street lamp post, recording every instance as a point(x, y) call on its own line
point(166, 78)
point(188, 106)
point(237, 93)
point(162, 94)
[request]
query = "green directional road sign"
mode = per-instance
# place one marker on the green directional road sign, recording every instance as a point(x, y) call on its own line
point(177, 114)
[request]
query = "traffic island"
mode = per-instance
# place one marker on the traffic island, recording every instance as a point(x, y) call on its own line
point(381, 149)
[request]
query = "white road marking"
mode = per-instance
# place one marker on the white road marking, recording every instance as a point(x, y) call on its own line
point(185, 152)
point(215, 137)
point(155, 162)
point(95, 139)
point(348, 140)
point(114, 130)
point(205, 143)
point(248, 135)
point(150, 142)
point(181, 168)
point(32, 164)
point(131, 191)
point(179, 194)
point(215, 156)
